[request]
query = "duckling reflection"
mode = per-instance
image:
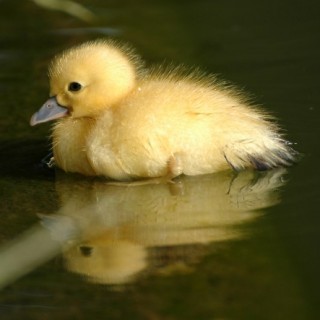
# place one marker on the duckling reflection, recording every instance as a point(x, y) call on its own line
point(125, 231)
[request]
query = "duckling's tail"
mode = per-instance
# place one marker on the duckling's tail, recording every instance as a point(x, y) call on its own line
point(281, 157)
point(248, 154)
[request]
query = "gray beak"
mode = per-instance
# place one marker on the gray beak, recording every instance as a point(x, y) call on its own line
point(50, 110)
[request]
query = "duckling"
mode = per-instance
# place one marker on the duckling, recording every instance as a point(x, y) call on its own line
point(119, 120)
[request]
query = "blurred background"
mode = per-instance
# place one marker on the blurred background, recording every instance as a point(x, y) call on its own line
point(212, 247)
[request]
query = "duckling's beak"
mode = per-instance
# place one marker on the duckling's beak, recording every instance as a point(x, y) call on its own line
point(50, 110)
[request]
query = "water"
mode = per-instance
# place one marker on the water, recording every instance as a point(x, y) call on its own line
point(212, 247)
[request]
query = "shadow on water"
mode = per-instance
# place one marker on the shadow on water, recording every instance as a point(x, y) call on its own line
point(21, 159)
point(114, 234)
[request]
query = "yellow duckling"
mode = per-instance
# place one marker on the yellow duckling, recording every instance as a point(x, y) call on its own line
point(118, 120)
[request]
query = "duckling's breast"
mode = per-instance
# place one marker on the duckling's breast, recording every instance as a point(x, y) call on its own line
point(69, 145)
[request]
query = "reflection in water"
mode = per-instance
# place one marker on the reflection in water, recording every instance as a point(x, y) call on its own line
point(110, 234)
point(73, 8)
point(103, 31)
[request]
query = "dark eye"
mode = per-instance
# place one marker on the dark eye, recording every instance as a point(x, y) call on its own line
point(86, 251)
point(74, 86)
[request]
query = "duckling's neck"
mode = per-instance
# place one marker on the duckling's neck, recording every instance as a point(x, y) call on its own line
point(88, 120)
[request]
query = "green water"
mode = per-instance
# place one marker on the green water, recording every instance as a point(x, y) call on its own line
point(211, 247)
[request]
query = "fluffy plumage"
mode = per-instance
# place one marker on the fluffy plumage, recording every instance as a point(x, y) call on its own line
point(123, 121)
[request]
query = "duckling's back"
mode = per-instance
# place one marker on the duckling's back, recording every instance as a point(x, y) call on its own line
point(200, 124)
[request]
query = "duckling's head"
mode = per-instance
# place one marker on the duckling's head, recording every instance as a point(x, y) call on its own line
point(89, 78)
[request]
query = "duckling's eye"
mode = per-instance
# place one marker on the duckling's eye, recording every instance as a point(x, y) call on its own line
point(86, 251)
point(74, 86)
